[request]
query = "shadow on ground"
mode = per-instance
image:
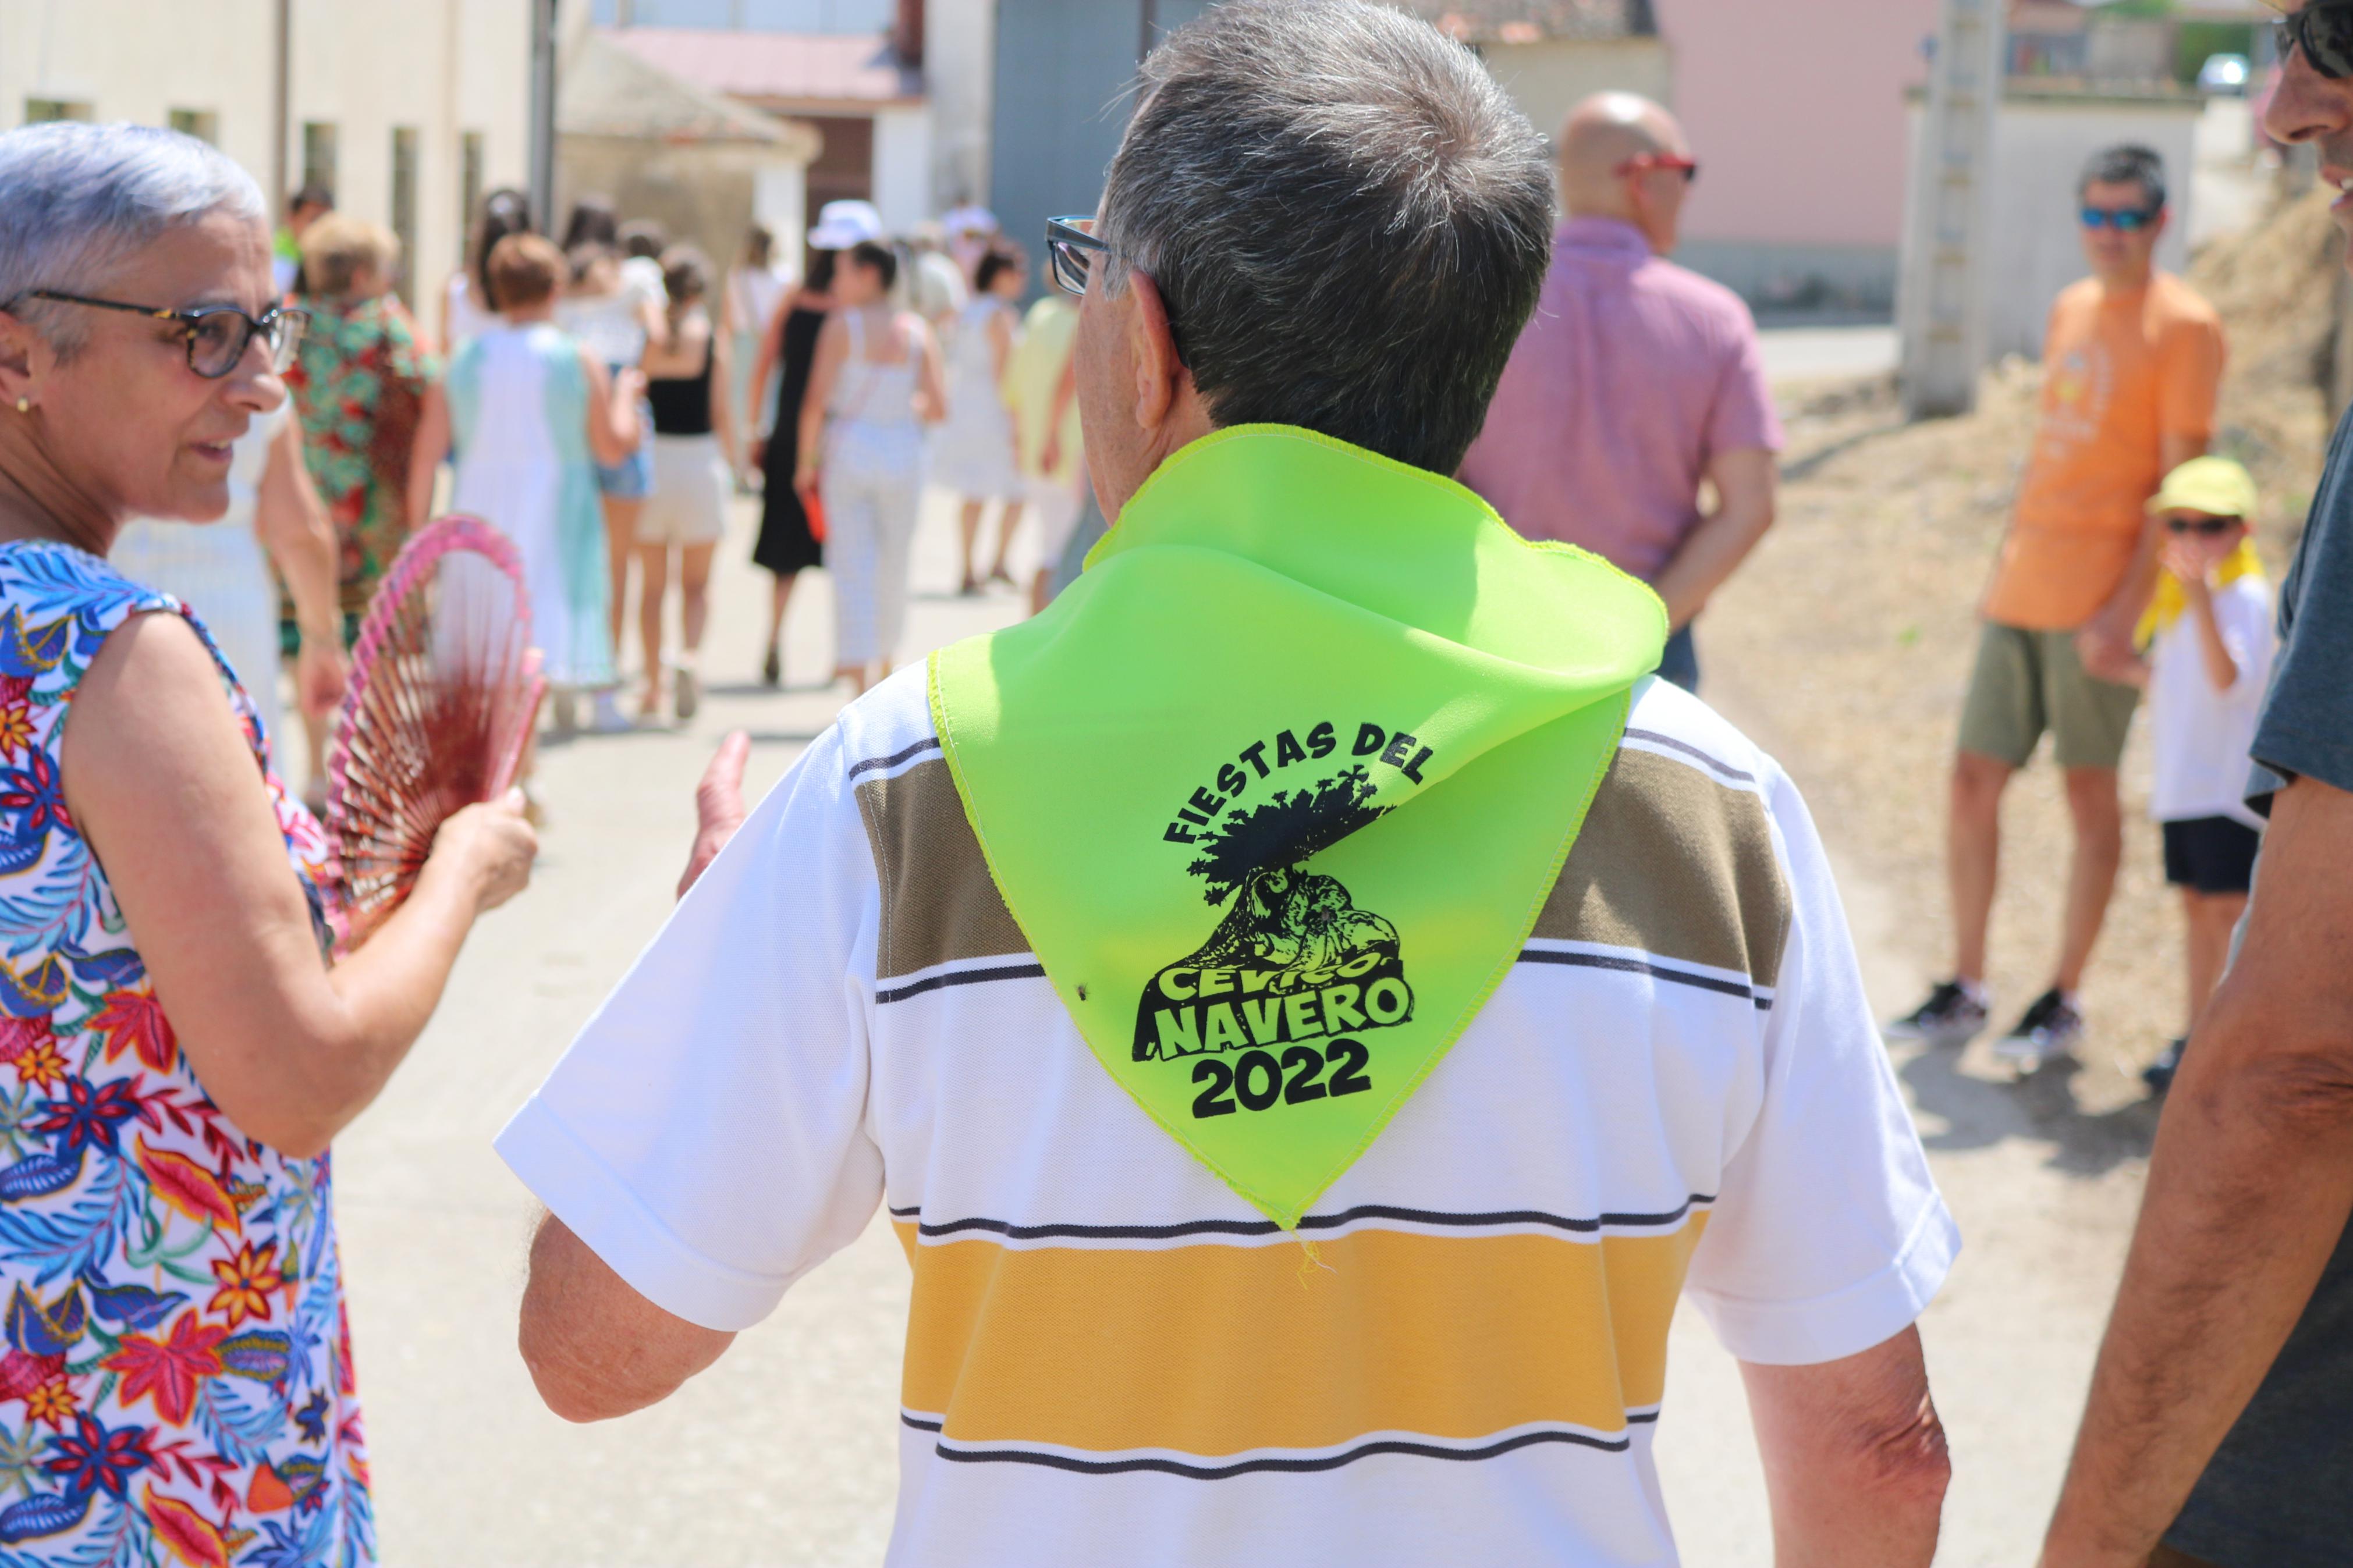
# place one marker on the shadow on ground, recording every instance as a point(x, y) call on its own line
point(2041, 1108)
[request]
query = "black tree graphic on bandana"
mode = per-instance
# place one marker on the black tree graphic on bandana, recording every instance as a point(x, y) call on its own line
point(1286, 830)
point(1288, 930)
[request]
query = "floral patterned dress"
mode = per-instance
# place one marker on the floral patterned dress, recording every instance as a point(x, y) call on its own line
point(359, 381)
point(177, 1387)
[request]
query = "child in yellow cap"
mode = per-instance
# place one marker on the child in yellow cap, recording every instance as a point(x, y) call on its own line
point(2209, 641)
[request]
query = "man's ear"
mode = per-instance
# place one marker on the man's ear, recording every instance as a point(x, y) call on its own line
point(1152, 349)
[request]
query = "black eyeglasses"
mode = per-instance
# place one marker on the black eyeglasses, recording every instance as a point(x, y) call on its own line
point(2323, 31)
point(1069, 242)
point(217, 336)
point(2209, 526)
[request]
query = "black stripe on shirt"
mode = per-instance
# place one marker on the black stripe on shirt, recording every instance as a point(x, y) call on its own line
point(877, 764)
point(961, 977)
point(1647, 966)
point(1314, 1222)
point(1280, 1466)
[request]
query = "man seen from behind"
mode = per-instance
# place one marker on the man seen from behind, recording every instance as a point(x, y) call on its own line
point(1635, 383)
point(1310, 1002)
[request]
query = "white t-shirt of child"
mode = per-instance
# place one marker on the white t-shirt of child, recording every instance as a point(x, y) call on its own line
point(2203, 735)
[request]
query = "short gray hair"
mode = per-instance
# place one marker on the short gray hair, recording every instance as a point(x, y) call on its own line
point(1348, 221)
point(76, 201)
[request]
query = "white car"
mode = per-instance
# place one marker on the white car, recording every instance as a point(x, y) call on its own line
point(2225, 74)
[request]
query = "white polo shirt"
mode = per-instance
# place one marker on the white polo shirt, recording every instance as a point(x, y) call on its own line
point(1110, 1357)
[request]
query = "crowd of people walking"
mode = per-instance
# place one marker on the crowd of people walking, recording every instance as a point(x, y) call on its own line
point(1556, 835)
point(629, 386)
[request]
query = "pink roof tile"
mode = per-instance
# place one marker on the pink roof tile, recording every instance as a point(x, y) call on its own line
point(816, 67)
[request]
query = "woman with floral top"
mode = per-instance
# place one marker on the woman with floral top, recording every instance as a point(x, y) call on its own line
point(176, 1049)
point(360, 381)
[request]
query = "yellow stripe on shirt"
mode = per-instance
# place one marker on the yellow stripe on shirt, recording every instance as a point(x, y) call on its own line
point(1216, 1350)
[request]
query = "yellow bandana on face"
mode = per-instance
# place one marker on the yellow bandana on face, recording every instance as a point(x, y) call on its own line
point(1277, 789)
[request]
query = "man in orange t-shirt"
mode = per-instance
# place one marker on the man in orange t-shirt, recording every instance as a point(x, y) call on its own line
point(2132, 363)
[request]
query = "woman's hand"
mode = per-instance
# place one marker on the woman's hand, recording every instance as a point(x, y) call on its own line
point(490, 844)
point(320, 673)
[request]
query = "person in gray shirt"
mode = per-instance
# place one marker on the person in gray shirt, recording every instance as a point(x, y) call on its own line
point(2219, 1429)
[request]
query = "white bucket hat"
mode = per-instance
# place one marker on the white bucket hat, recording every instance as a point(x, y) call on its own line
point(840, 225)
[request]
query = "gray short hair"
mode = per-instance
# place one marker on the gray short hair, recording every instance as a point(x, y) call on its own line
point(76, 201)
point(1348, 221)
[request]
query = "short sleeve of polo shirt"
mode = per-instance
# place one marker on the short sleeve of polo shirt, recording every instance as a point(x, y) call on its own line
point(2306, 730)
point(1744, 416)
point(1828, 1235)
point(705, 1135)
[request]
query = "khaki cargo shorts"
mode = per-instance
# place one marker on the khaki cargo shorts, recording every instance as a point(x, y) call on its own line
point(2027, 682)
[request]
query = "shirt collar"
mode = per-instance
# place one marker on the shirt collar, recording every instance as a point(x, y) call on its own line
point(1604, 235)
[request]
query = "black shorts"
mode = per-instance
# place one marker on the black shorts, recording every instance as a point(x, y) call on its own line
point(2211, 854)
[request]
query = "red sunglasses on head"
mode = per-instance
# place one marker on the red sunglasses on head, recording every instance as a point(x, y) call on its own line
point(1643, 163)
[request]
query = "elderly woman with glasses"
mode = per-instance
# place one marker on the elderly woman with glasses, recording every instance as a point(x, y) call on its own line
point(176, 1051)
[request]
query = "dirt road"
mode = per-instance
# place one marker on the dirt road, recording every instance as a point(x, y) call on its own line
point(786, 1453)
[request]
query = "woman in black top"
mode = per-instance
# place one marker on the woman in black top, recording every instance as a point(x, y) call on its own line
point(694, 432)
point(787, 544)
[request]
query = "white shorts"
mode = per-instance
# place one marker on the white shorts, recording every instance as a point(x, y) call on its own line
point(688, 504)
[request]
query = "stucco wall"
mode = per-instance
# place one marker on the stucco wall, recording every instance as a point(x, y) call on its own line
point(959, 60)
point(705, 193)
point(903, 166)
point(442, 67)
point(1549, 78)
point(1796, 112)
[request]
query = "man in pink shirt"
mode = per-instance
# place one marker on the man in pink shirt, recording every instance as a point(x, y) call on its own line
point(1635, 380)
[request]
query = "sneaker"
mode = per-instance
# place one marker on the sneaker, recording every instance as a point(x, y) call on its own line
point(2050, 1028)
point(1953, 1014)
point(2158, 1074)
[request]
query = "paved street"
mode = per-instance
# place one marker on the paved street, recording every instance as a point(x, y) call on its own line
point(784, 1454)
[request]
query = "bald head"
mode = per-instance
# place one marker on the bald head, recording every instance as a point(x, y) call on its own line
point(1598, 138)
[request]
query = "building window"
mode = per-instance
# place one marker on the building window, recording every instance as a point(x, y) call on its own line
point(403, 208)
point(470, 187)
point(319, 153)
point(40, 110)
point(201, 124)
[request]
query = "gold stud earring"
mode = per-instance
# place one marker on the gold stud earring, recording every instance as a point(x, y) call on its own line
point(23, 405)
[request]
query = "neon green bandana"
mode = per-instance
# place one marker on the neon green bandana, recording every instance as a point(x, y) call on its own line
point(1277, 789)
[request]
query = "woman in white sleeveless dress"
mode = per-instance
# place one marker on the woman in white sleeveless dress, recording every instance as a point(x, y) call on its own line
point(974, 454)
point(876, 383)
point(221, 570)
